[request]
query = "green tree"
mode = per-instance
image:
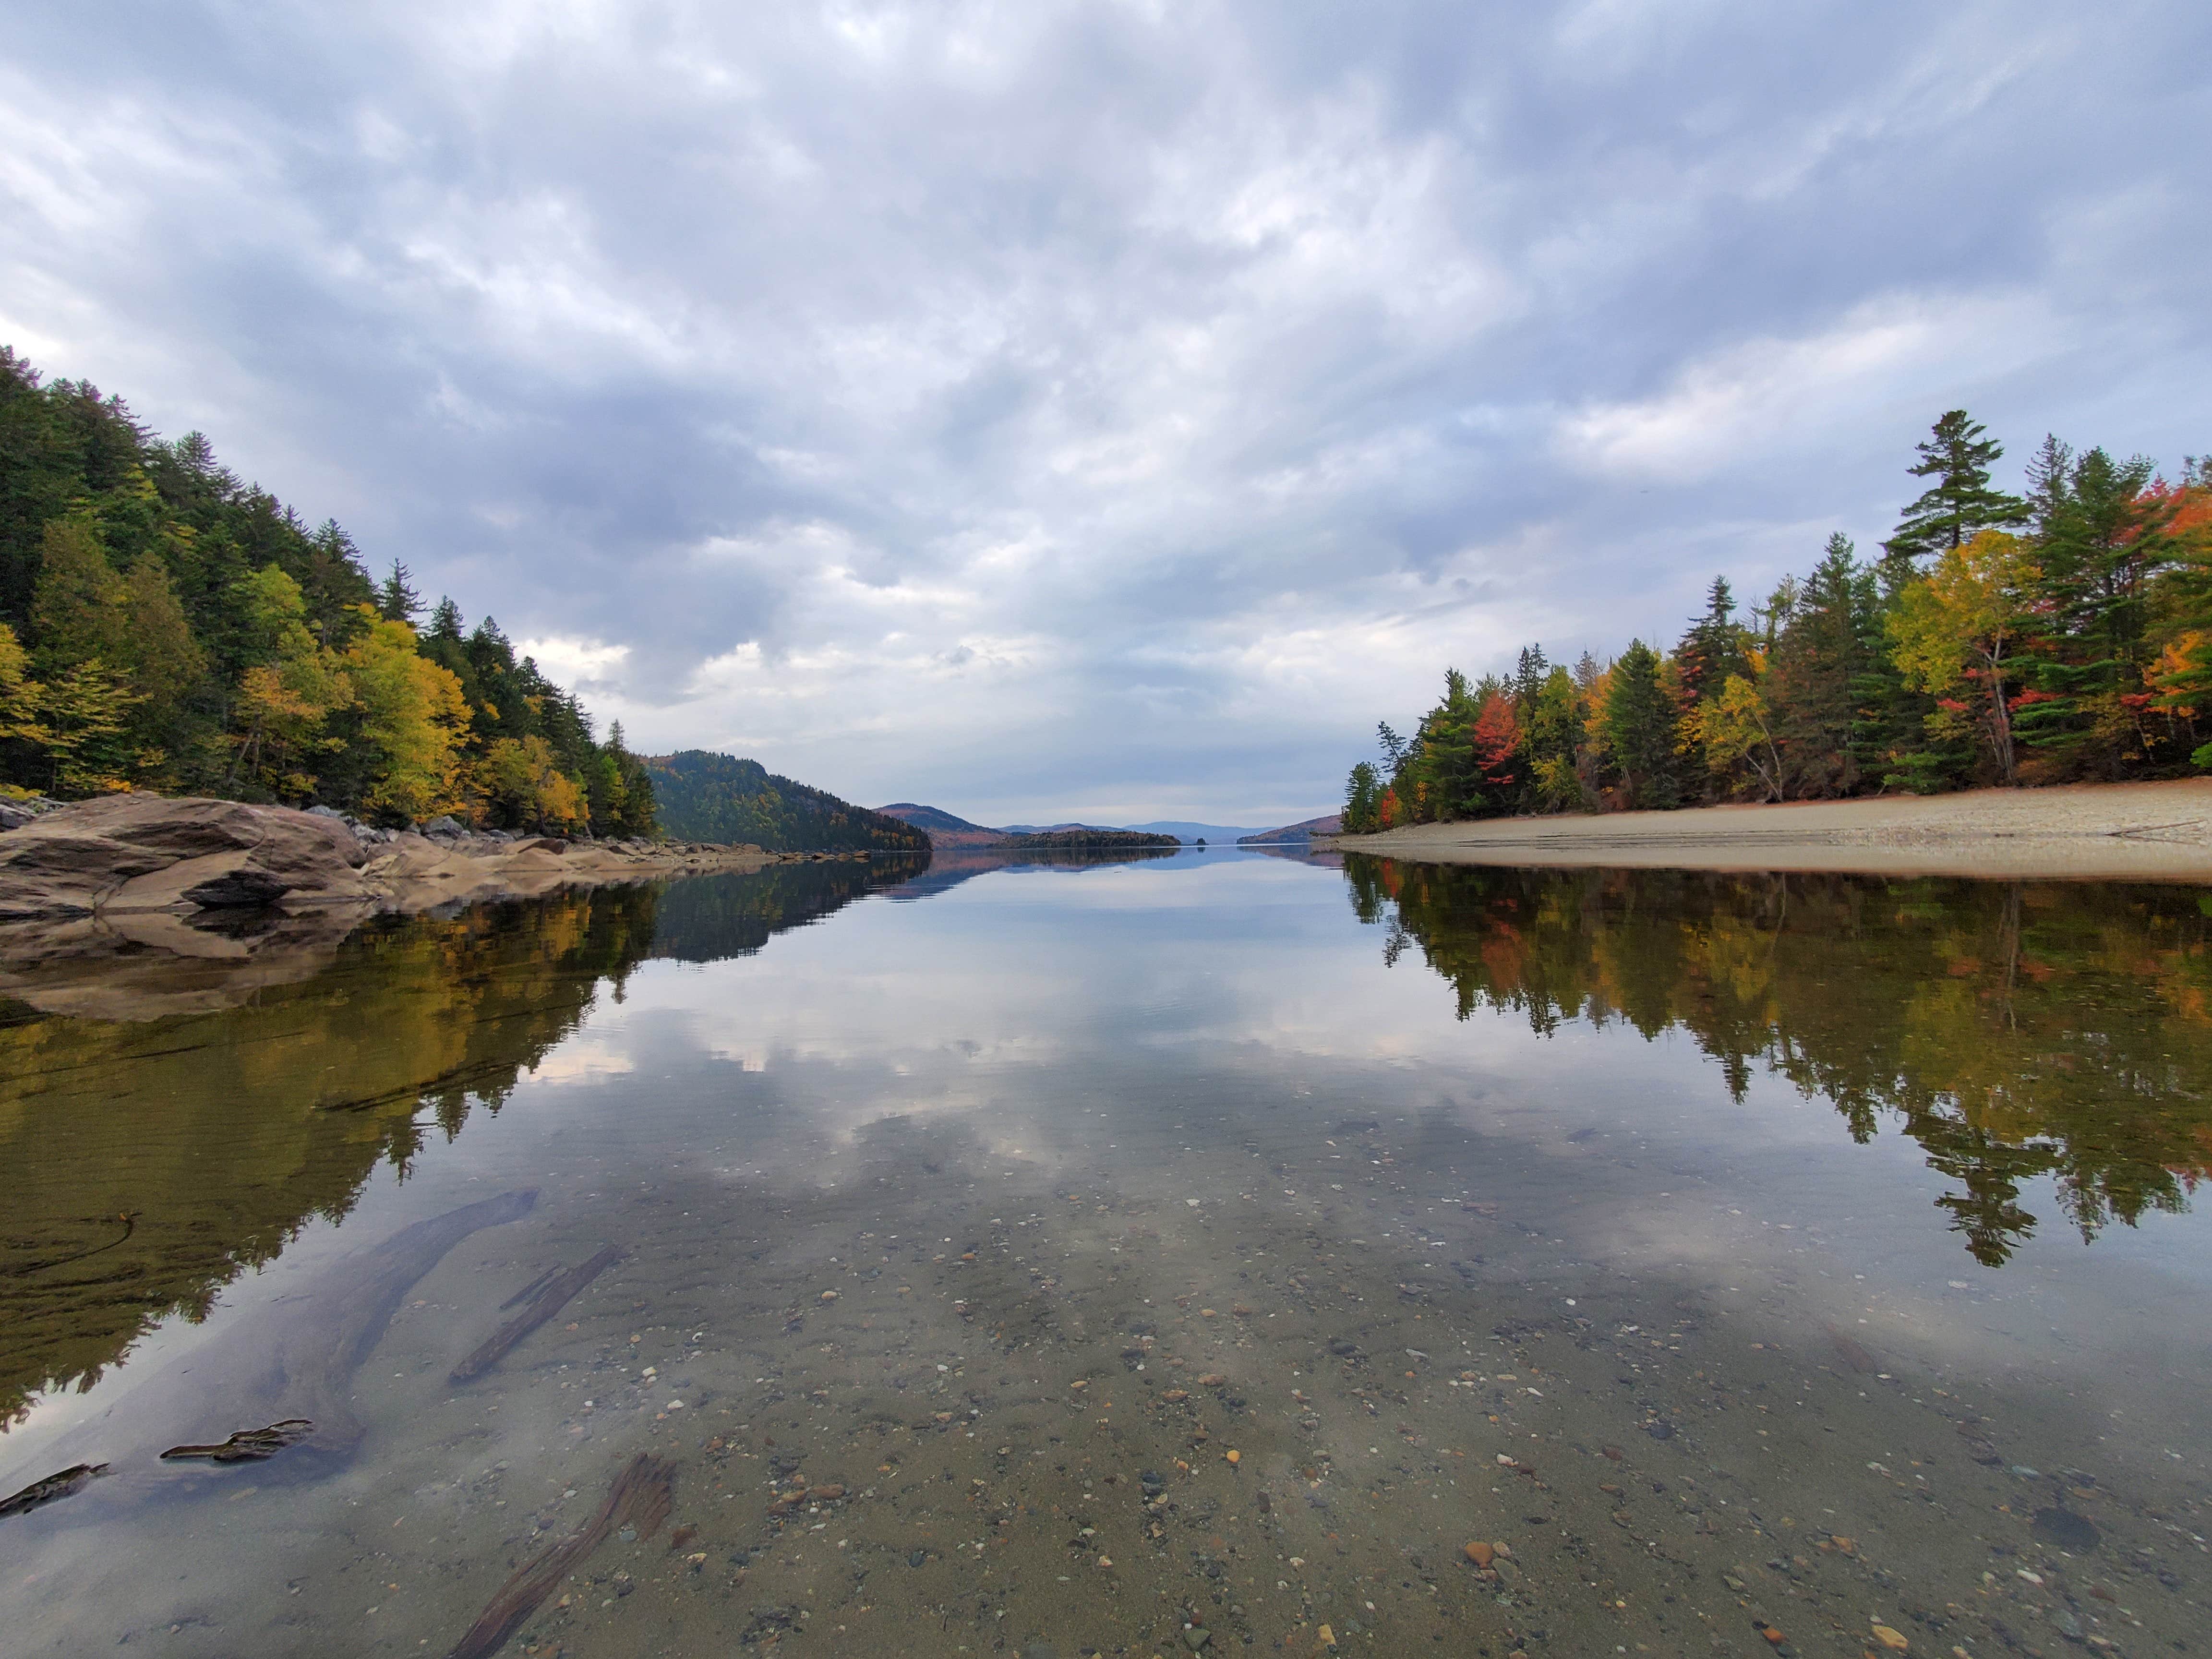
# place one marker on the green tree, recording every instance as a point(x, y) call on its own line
point(2103, 535)
point(1960, 503)
point(1713, 648)
point(1639, 730)
point(1363, 795)
point(1830, 639)
point(397, 600)
point(79, 607)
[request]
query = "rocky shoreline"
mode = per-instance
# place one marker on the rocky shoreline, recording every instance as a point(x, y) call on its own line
point(204, 899)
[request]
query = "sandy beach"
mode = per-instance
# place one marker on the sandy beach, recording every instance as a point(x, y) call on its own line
point(2134, 831)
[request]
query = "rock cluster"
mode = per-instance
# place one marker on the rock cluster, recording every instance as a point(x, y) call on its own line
point(143, 852)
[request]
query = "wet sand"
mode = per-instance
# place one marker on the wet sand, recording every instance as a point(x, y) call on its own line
point(2131, 831)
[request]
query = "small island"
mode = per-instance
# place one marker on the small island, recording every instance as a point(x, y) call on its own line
point(1081, 840)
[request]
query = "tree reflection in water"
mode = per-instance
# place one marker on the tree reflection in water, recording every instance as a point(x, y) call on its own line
point(2013, 1030)
point(149, 1161)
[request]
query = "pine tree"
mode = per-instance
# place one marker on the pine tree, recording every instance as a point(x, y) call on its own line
point(1961, 503)
point(2103, 534)
point(1713, 648)
point(1816, 673)
point(1639, 730)
point(397, 600)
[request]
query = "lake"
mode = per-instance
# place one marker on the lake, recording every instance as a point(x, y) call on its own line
point(1130, 1256)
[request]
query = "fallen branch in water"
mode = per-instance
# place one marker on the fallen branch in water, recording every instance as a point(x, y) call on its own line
point(53, 1488)
point(642, 1496)
point(127, 1217)
point(548, 1300)
point(247, 1445)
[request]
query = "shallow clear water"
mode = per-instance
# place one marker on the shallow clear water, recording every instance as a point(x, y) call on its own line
point(1196, 1252)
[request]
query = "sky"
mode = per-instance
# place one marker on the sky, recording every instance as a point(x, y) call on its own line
point(1102, 410)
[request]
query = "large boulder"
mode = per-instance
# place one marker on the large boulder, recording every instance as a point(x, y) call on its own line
point(138, 853)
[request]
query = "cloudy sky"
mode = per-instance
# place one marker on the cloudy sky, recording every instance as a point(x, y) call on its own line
point(1108, 409)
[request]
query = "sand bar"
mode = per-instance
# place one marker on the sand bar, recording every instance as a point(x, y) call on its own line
point(2133, 831)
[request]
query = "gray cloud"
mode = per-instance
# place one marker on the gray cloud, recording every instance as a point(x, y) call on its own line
point(1104, 408)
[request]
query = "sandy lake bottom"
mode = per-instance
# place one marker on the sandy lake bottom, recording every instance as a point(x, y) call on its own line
point(1202, 1254)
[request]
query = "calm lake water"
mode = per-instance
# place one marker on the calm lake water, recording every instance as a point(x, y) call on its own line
point(1194, 1253)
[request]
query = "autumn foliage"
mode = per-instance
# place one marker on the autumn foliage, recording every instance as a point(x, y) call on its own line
point(2059, 635)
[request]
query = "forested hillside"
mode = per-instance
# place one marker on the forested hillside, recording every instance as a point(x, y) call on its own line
point(165, 626)
point(2061, 635)
point(704, 796)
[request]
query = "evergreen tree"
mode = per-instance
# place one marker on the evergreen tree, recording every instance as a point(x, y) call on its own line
point(1639, 730)
point(1713, 648)
point(397, 600)
point(1959, 503)
point(2103, 535)
point(1816, 674)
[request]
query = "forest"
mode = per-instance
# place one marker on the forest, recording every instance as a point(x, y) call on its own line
point(705, 796)
point(2061, 635)
point(167, 627)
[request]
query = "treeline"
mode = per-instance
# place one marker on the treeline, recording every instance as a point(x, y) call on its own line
point(1085, 839)
point(705, 796)
point(2058, 636)
point(164, 626)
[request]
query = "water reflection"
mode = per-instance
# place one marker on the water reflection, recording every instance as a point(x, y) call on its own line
point(1125, 1260)
point(149, 1161)
point(2014, 1030)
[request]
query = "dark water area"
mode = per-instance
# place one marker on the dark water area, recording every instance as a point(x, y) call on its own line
point(1132, 1256)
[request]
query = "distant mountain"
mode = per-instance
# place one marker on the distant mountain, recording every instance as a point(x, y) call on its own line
point(942, 828)
point(1330, 824)
point(704, 796)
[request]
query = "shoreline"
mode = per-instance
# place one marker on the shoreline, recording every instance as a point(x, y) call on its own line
point(137, 906)
point(2086, 832)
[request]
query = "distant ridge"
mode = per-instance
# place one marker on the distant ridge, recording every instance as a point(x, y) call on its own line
point(947, 830)
point(1330, 824)
point(705, 796)
point(941, 828)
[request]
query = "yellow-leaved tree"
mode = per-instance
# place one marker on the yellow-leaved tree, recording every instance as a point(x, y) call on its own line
point(1955, 632)
point(523, 776)
point(1733, 728)
point(413, 717)
point(286, 693)
point(19, 694)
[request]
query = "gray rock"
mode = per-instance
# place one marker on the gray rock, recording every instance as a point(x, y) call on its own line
point(1194, 1639)
point(135, 852)
point(444, 825)
point(326, 812)
point(243, 888)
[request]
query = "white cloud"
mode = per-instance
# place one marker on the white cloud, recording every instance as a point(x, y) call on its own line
point(1049, 404)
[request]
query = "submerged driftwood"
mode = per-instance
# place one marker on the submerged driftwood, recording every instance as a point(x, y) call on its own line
point(642, 1496)
point(290, 1365)
point(247, 1445)
point(53, 1488)
point(549, 1293)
